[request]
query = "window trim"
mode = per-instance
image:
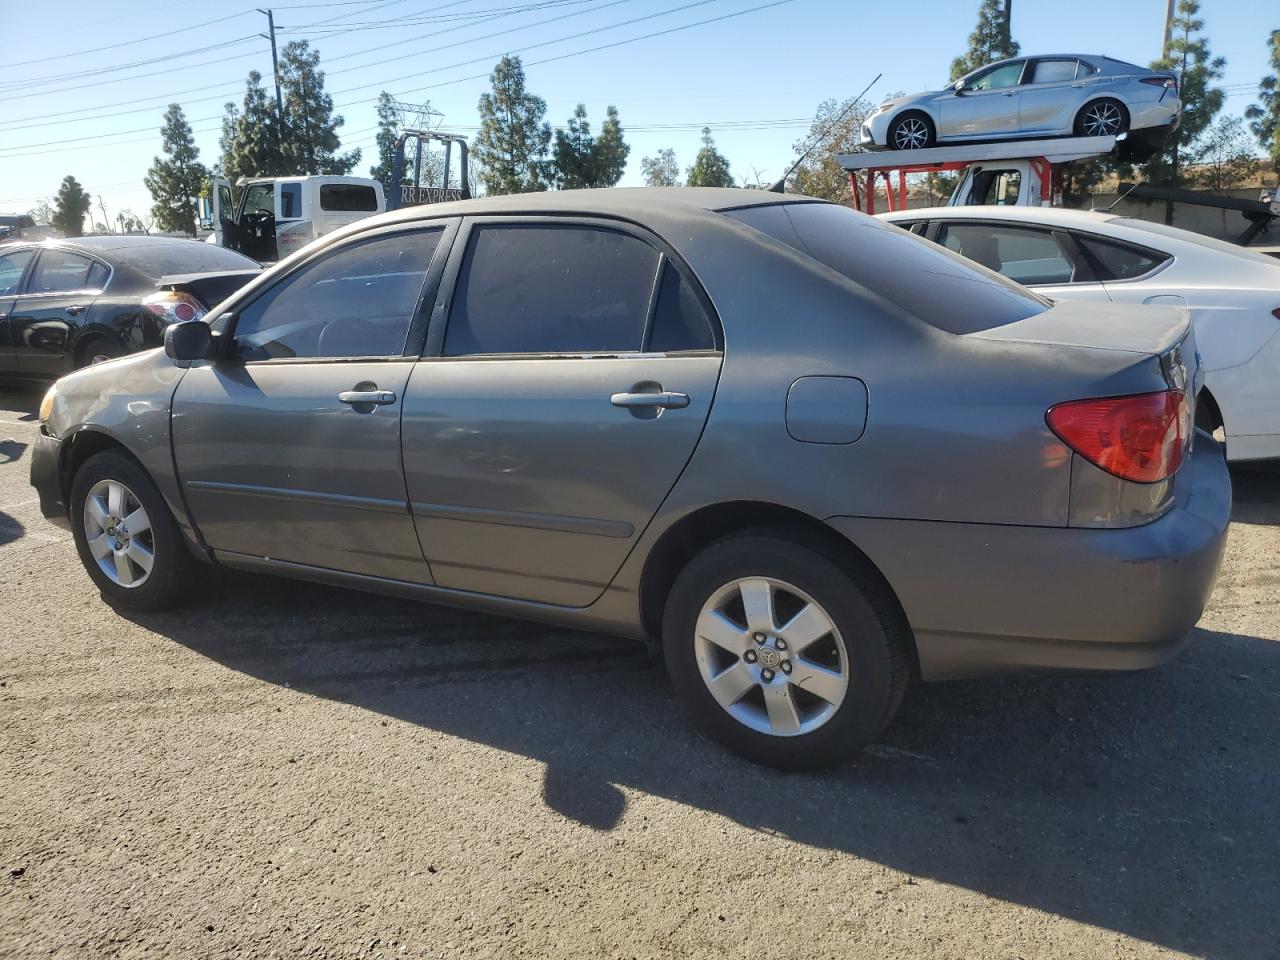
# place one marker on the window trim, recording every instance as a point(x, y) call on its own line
point(1082, 268)
point(434, 347)
point(417, 329)
point(30, 273)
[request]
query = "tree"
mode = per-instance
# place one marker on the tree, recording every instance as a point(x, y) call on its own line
point(580, 160)
point(511, 147)
point(388, 130)
point(251, 135)
point(69, 208)
point(662, 170)
point(1264, 116)
point(176, 182)
point(989, 42)
point(710, 167)
point(310, 140)
point(1223, 156)
point(1188, 56)
point(42, 212)
point(833, 131)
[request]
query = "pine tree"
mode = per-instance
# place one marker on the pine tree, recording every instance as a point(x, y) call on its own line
point(710, 168)
point(662, 170)
point(989, 42)
point(69, 208)
point(1264, 116)
point(511, 147)
point(253, 149)
point(388, 130)
point(176, 182)
point(310, 130)
point(580, 160)
point(1187, 56)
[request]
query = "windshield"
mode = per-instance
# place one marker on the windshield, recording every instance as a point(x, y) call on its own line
point(1200, 240)
point(928, 281)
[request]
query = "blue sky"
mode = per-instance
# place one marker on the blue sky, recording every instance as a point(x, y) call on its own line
point(754, 76)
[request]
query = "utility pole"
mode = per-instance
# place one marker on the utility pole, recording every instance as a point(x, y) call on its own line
point(275, 68)
point(1008, 20)
point(1168, 29)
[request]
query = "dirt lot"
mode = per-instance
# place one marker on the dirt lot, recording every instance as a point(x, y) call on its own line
point(285, 770)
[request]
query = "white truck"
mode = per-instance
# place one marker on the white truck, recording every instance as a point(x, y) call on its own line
point(276, 216)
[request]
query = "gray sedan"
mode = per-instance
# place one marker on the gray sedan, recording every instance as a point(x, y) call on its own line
point(812, 453)
point(1061, 95)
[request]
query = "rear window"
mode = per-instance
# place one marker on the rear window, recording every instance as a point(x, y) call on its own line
point(929, 282)
point(348, 196)
point(180, 256)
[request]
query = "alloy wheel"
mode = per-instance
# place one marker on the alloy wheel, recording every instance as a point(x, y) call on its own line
point(771, 656)
point(118, 532)
point(1101, 120)
point(911, 134)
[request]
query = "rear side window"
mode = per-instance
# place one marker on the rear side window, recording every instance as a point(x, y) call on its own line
point(679, 321)
point(923, 279)
point(356, 302)
point(12, 266)
point(1119, 261)
point(1025, 254)
point(1054, 71)
point(551, 289)
point(290, 201)
point(340, 197)
point(59, 271)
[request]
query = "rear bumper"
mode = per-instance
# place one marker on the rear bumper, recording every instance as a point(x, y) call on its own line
point(986, 599)
point(45, 477)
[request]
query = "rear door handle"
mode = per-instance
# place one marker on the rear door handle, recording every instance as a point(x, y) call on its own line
point(367, 396)
point(74, 309)
point(666, 399)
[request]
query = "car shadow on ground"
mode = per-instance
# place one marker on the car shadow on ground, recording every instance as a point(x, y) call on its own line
point(1255, 492)
point(1144, 804)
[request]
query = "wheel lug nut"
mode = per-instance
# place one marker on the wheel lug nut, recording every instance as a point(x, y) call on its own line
point(781, 644)
point(750, 656)
point(759, 638)
point(766, 675)
point(786, 666)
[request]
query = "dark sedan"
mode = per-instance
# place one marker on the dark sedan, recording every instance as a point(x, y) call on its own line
point(67, 303)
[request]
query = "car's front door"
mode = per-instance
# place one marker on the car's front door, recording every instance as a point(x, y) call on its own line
point(290, 448)
point(565, 386)
point(59, 294)
point(986, 107)
point(1050, 96)
point(13, 266)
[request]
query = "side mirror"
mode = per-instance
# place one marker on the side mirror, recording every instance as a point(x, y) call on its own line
point(958, 87)
point(189, 341)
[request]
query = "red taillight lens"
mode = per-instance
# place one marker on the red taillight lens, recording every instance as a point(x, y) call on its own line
point(172, 306)
point(1140, 438)
point(1169, 83)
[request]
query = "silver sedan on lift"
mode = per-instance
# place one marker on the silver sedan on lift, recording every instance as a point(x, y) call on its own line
point(1060, 95)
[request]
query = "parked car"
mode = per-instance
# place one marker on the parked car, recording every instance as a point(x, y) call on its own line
point(68, 303)
point(735, 421)
point(1233, 294)
point(1060, 95)
point(23, 227)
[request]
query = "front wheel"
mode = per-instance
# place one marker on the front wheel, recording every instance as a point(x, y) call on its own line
point(127, 539)
point(781, 654)
point(911, 131)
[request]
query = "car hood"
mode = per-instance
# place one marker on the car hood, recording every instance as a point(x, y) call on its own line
point(907, 100)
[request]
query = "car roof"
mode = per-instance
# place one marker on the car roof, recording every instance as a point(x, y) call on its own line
point(1054, 216)
point(115, 242)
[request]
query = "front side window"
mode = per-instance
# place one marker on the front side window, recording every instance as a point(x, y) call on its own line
point(260, 198)
point(998, 188)
point(1054, 71)
point(543, 288)
point(999, 78)
point(356, 302)
point(12, 266)
point(1120, 261)
point(60, 271)
point(1023, 254)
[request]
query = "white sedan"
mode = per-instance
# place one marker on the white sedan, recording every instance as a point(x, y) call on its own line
point(1233, 294)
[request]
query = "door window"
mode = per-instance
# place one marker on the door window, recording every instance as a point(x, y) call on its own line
point(1023, 254)
point(290, 201)
point(551, 289)
point(356, 302)
point(60, 271)
point(997, 188)
point(1120, 261)
point(12, 266)
point(1054, 71)
point(998, 78)
point(260, 199)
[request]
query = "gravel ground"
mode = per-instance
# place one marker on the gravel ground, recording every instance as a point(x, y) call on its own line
point(287, 770)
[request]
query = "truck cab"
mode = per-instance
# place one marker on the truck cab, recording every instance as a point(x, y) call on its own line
point(269, 218)
point(1012, 183)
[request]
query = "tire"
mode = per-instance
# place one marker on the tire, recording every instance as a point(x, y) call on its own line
point(97, 350)
point(172, 568)
point(867, 647)
point(911, 131)
point(1102, 118)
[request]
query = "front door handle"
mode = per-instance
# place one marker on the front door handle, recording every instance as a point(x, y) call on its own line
point(74, 309)
point(665, 399)
point(367, 396)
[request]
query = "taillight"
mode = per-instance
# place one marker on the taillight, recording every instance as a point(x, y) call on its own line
point(171, 306)
point(1169, 83)
point(1140, 438)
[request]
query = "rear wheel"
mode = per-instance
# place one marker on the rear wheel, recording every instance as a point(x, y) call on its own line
point(1102, 118)
point(911, 131)
point(127, 539)
point(781, 654)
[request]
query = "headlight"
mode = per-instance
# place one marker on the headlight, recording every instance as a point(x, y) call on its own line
point(46, 405)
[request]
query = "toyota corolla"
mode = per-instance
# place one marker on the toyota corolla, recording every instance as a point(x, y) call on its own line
point(812, 453)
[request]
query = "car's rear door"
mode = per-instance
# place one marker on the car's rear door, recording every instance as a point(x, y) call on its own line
point(1050, 96)
point(290, 448)
point(13, 267)
point(57, 300)
point(567, 380)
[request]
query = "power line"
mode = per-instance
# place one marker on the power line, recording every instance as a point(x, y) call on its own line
point(128, 43)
